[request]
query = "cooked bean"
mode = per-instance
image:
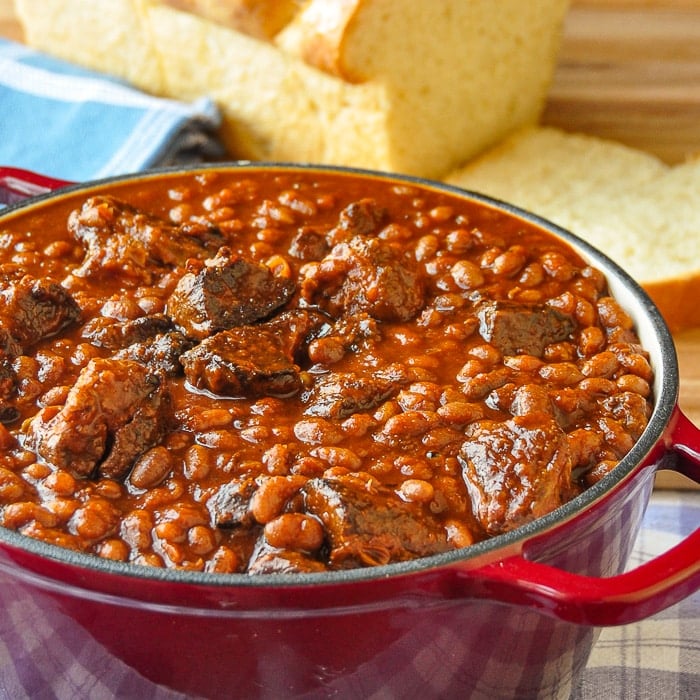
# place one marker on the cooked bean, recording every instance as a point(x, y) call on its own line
point(604, 364)
point(18, 514)
point(149, 559)
point(441, 213)
point(561, 373)
point(151, 468)
point(459, 534)
point(486, 353)
point(414, 401)
point(525, 364)
point(357, 425)
point(61, 482)
point(413, 467)
point(223, 561)
point(185, 515)
point(634, 383)
point(109, 488)
point(326, 351)
point(338, 457)
point(460, 412)
point(210, 419)
point(616, 437)
point(113, 549)
point(136, 529)
point(564, 302)
point(637, 364)
point(198, 462)
point(603, 468)
point(560, 352)
point(180, 213)
point(417, 363)
point(295, 531)
point(272, 495)
point(297, 202)
point(467, 275)
point(612, 315)
point(407, 424)
point(176, 553)
point(472, 368)
point(417, 491)
point(316, 431)
point(37, 471)
point(11, 486)
point(459, 241)
point(63, 508)
point(201, 539)
point(557, 265)
point(531, 275)
point(95, 520)
point(426, 247)
point(477, 387)
point(510, 262)
point(123, 309)
point(278, 459)
point(591, 341)
point(308, 466)
point(597, 386)
point(254, 433)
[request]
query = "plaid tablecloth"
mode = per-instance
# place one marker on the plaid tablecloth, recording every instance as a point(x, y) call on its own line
point(658, 658)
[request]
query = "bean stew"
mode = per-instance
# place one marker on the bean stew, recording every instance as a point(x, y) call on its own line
point(233, 370)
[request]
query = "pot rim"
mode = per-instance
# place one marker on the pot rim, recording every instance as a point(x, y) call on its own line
point(665, 392)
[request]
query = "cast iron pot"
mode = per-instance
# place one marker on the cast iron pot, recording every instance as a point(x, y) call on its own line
point(515, 616)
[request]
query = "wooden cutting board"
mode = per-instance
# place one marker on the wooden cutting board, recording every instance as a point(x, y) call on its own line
point(628, 70)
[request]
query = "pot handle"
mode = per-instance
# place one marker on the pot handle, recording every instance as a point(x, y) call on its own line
point(616, 600)
point(17, 184)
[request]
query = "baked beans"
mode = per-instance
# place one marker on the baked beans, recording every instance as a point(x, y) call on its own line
point(244, 371)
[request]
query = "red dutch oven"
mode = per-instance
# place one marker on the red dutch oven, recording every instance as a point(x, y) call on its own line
point(515, 616)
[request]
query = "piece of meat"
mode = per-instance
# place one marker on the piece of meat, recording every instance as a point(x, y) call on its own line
point(114, 334)
point(366, 275)
point(229, 506)
point(518, 329)
point(309, 244)
point(515, 471)
point(340, 394)
point(359, 218)
point(115, 411)
point(8, 386)
point(247, 361)
point(355, 331)
point(228, 291)
point(630, 409)
point(120, 238)
point(268, 560)
point(160, 353)
point(296, 328)
point(31, 310)
point(9, 346)
point(368, 524)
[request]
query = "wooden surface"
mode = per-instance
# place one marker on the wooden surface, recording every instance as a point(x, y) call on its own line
point(630, 70)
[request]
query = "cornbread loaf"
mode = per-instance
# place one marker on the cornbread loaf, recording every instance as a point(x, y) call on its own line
point(642, 213)
point(415, 87)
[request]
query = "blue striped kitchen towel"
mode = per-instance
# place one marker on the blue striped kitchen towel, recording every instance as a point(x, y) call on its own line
point(61, 120)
